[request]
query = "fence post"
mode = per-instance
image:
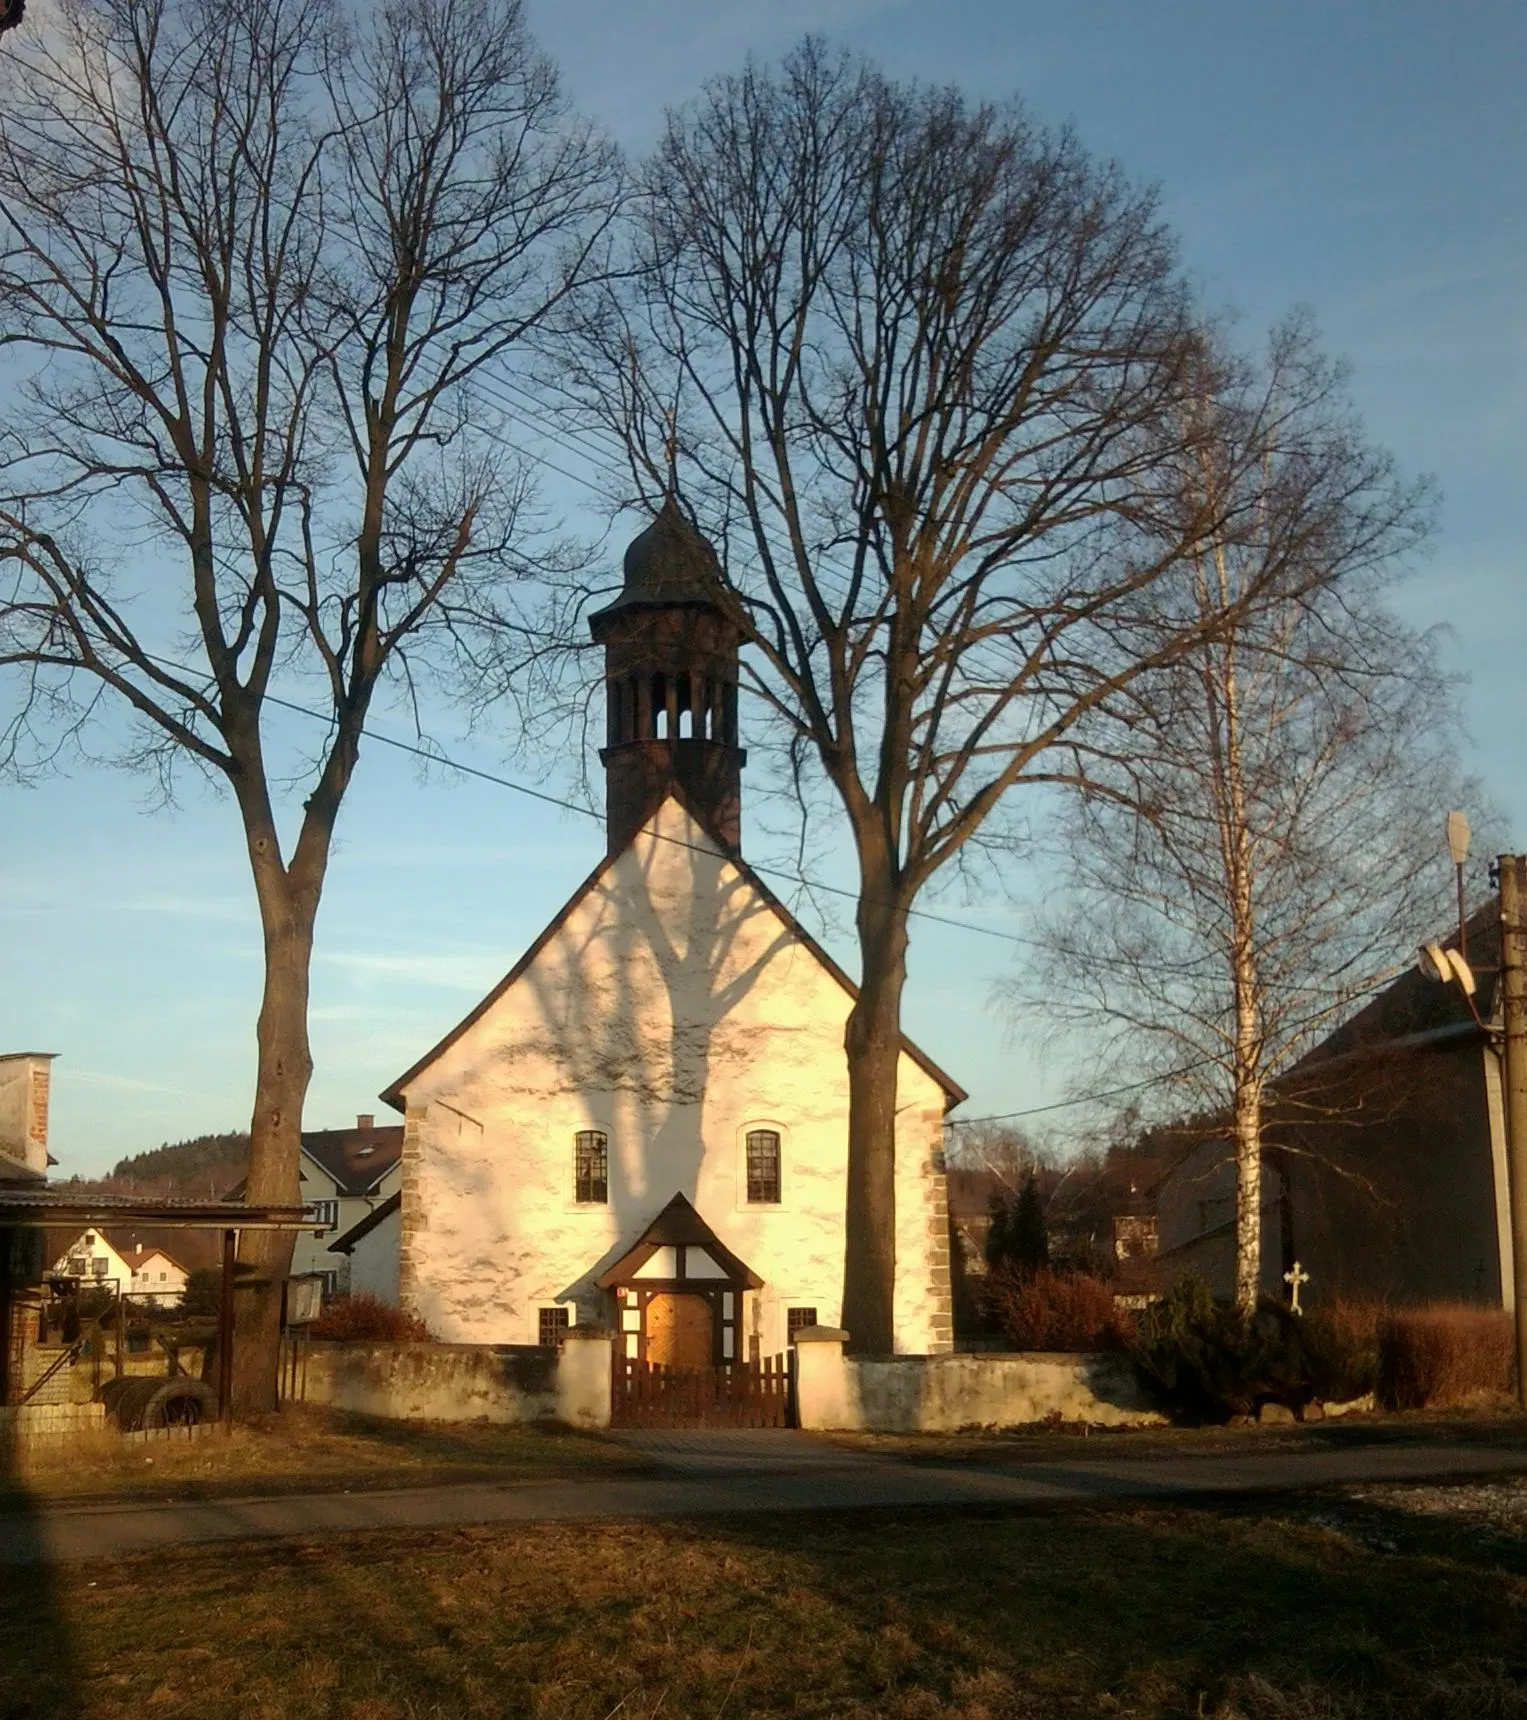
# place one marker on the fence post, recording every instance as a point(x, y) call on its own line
point(824, 1395)
point(585, 1377)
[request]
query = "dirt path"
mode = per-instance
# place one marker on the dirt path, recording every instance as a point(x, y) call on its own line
point(704, 1474)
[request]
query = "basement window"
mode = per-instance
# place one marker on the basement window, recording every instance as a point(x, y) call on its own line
point(591, 1167)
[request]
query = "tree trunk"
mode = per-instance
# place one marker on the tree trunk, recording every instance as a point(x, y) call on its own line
point(872, 1040)
point(283, 1070)
point(1248, 1199)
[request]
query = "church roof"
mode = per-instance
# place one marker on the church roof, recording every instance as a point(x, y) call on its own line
point(393, 1095)
point(678, 1225)
point(667, 564)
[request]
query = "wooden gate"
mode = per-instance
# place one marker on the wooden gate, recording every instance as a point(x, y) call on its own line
point(739, 1394)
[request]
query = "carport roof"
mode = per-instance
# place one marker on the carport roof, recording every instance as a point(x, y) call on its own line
point(62, 1206)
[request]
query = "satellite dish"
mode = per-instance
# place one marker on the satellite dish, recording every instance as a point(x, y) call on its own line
point(1458, 834)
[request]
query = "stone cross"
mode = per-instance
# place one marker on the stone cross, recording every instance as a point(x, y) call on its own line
point(1296, 1280)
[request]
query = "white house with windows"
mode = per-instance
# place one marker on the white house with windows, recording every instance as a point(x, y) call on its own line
point(347, 1174)
point(645, 1124)
point(149, 1275)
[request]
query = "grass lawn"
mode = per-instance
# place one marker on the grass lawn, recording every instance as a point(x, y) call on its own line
point(305, 1450)
point(1325, 1608)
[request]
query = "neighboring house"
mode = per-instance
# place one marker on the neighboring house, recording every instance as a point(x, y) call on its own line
point(371, 1248)
point(158, 1279)
point(346, 1175)
point(646, 1123)
point(120, 1262)
point(95, 1261)
point(1384, 1165)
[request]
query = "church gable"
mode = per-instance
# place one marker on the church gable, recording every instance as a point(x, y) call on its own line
point(644, 984)
point(672, 967)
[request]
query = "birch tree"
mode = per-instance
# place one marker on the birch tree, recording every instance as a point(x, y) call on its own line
point(1259, 852)
point(929, 376)
point(254, 263)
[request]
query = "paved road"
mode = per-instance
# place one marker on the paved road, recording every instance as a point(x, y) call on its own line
point(705, 1474)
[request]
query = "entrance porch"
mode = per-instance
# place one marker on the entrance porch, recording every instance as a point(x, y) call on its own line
point(679, 1360)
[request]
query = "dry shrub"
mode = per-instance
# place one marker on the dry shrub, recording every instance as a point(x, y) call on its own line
point(1443, 1354)
point(1045, 1310)
point(362, 1319)
point(1340, 1341)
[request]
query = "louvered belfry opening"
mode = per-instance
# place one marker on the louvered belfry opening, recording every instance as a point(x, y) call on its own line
point(671, 664)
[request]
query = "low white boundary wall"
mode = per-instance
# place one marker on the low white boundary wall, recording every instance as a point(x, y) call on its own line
point(464, 1382)
point(941, 1394)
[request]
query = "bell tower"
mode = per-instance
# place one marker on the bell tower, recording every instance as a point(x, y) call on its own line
point(670, 674)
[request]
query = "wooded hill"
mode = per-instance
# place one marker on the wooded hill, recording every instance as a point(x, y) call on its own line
point(201, 1168)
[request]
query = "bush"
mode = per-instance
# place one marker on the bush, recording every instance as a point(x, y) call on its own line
point(1443, 1355)
point(1340, 1341)
point(1202, 1361)
point(1047, 1310)
point(361, 1319)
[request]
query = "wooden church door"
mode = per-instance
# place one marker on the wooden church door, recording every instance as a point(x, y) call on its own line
point(680, 1330)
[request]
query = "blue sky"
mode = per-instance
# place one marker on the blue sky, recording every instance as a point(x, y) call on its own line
point(1366, 160)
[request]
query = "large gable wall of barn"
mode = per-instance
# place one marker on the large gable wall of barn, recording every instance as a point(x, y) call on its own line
point(675, 1011)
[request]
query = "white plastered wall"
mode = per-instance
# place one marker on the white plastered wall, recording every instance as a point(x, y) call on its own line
point(674, 1010)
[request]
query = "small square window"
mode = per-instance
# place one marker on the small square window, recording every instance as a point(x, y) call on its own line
point(795, 1318)
point(553, 1327)
point(591, 1167)
point(763, 1167)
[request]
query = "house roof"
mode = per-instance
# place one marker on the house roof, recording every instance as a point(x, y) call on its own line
point(678, 1225)
point(377, 1216)
point(393, 1095)
point(44, 1207)
point(138, 1258)
point(357, 1158)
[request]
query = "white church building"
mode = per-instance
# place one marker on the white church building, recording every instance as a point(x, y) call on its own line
point(644, 1126)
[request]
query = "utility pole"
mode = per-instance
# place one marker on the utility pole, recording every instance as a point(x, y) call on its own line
point(1513, 978)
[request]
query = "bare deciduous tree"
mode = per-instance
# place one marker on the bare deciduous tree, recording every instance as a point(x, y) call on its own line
point(929, 376)
point(1261, 851)
point(254, 262)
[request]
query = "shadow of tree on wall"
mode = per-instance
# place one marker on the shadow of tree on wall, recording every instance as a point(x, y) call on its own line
point(681, 952)
point(634, 1023)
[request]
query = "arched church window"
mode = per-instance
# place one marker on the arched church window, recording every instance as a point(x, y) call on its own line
point(591, 1167)
point(763, 1167)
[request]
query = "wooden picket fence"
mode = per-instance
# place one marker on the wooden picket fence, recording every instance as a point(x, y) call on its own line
point(740, 1394)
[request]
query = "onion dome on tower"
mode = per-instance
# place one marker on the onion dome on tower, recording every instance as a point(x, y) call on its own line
point(670, 667)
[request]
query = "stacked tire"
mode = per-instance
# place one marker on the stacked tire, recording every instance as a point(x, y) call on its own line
point(139, 1405)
